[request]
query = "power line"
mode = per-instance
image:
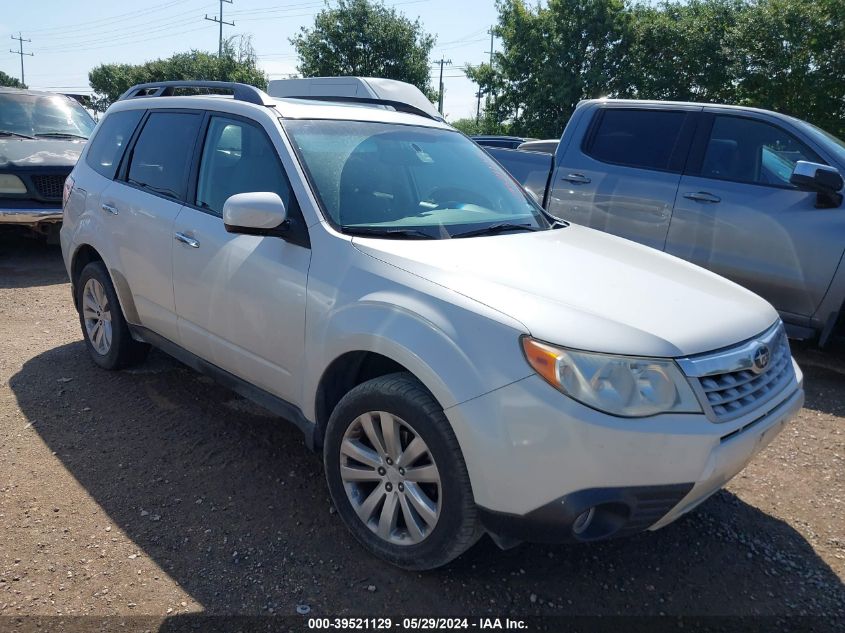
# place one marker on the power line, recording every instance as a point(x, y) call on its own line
point(20, 52)
point(117, 39)
point(114, 18)
point(221, 22)
point(99, 33)
point(143, 39)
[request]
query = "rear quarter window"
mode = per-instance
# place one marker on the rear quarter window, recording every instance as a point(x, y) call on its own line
point(106, 149)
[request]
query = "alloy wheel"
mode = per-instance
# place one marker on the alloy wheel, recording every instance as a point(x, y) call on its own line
point(390, 478)
point(96, 313)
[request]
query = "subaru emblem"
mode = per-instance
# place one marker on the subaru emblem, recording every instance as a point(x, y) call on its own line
point(760, 360)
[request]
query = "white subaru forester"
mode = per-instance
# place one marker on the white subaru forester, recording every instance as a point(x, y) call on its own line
point(464, 362)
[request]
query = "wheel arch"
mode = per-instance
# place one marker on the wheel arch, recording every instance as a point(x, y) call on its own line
point(84, 255)
point(344, 373)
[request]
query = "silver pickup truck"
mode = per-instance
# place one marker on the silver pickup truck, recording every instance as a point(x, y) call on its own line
point(750, 194)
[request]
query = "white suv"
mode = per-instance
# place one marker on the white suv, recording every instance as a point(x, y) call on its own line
point(464, 362)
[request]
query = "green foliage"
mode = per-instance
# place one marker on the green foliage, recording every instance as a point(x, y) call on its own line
point(784, 55)
point(552, 56)
point(467, 126)
point(238, 63)
point(361, 38)
point(10, 82)
point(791, 57)
point(682, 51)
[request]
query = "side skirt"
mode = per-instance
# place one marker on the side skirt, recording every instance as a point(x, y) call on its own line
point(277, 405)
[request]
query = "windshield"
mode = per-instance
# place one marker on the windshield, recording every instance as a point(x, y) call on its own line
point(405, 181)
point(34, 115)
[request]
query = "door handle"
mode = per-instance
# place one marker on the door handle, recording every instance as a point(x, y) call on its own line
point(578, 179)
point(702, 196)
point(187, 239)
point(109, 208)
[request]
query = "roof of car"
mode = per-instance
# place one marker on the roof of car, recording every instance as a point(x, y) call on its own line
point(651, 102)
point(27, 91)
point(382, 100)
point(285, 108)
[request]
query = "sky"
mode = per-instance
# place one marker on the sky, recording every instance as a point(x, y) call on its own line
point(70, 38)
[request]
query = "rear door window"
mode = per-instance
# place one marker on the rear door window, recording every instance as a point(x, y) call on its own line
point(648, 139)
point(162, 155)
point(106, 148)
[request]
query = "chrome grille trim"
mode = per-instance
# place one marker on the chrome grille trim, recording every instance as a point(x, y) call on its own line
point(727, 384)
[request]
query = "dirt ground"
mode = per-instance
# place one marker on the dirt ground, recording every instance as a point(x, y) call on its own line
point(155, 491)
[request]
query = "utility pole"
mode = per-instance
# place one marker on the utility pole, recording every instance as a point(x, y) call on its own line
point(440, 100)
point(487, 100)
point(221, 22)
point(478, 106)
point(21, 53)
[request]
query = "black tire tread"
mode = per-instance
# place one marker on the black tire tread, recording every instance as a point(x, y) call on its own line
point(407, 387)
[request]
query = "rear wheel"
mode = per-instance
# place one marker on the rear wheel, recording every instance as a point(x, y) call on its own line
point(104, 328)
point(397, 476)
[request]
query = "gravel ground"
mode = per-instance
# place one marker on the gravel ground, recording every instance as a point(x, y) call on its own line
point(156, 492)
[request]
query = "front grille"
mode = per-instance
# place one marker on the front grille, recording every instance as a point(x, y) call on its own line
point(49, 186)
point(733, 388)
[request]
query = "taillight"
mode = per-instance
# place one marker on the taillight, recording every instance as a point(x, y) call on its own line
point(66, 191)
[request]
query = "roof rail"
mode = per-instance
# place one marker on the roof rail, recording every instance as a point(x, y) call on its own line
point(399, 106)
point(241, 92)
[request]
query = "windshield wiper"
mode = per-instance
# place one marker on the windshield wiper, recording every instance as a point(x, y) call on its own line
point(61, 135)
point(8, 133)
point(374, 231)
point(500, 227)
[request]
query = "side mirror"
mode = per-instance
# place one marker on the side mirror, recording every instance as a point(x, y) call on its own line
point(826, 181)
point(254, 213)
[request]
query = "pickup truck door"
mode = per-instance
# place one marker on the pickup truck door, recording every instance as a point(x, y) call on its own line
point(240, 299)
point(620, 171)
point(737, 214)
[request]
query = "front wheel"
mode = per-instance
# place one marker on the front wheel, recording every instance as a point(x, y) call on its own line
point(396, 474)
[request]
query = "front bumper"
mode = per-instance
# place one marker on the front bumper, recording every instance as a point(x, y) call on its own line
point(30, 216)
point(538, 460)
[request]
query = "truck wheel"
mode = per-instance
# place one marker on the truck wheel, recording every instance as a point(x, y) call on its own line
point(396, 474)
point(104, 329)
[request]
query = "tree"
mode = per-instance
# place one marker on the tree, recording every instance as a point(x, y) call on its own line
point(10, 82)
point(552, 56)
point(238, 63)
point(682, 52)
point(785, 55)
point(361, 38)
point(468, 126)
point(791, 58)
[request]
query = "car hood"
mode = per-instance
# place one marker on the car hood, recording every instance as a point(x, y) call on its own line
point(26, 153)
point(585, 289)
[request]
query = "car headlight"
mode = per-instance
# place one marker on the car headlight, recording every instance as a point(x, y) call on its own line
point(10, 183)
point(624, 386)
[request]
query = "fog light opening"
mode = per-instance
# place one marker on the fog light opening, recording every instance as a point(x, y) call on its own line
point(583, 521)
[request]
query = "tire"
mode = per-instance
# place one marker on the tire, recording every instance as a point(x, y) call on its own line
point(110, 344)
point(395, 530)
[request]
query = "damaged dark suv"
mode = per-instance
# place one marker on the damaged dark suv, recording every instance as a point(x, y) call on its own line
point(41, 137)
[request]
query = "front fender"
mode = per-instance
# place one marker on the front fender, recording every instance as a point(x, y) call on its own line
point(458, 348)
